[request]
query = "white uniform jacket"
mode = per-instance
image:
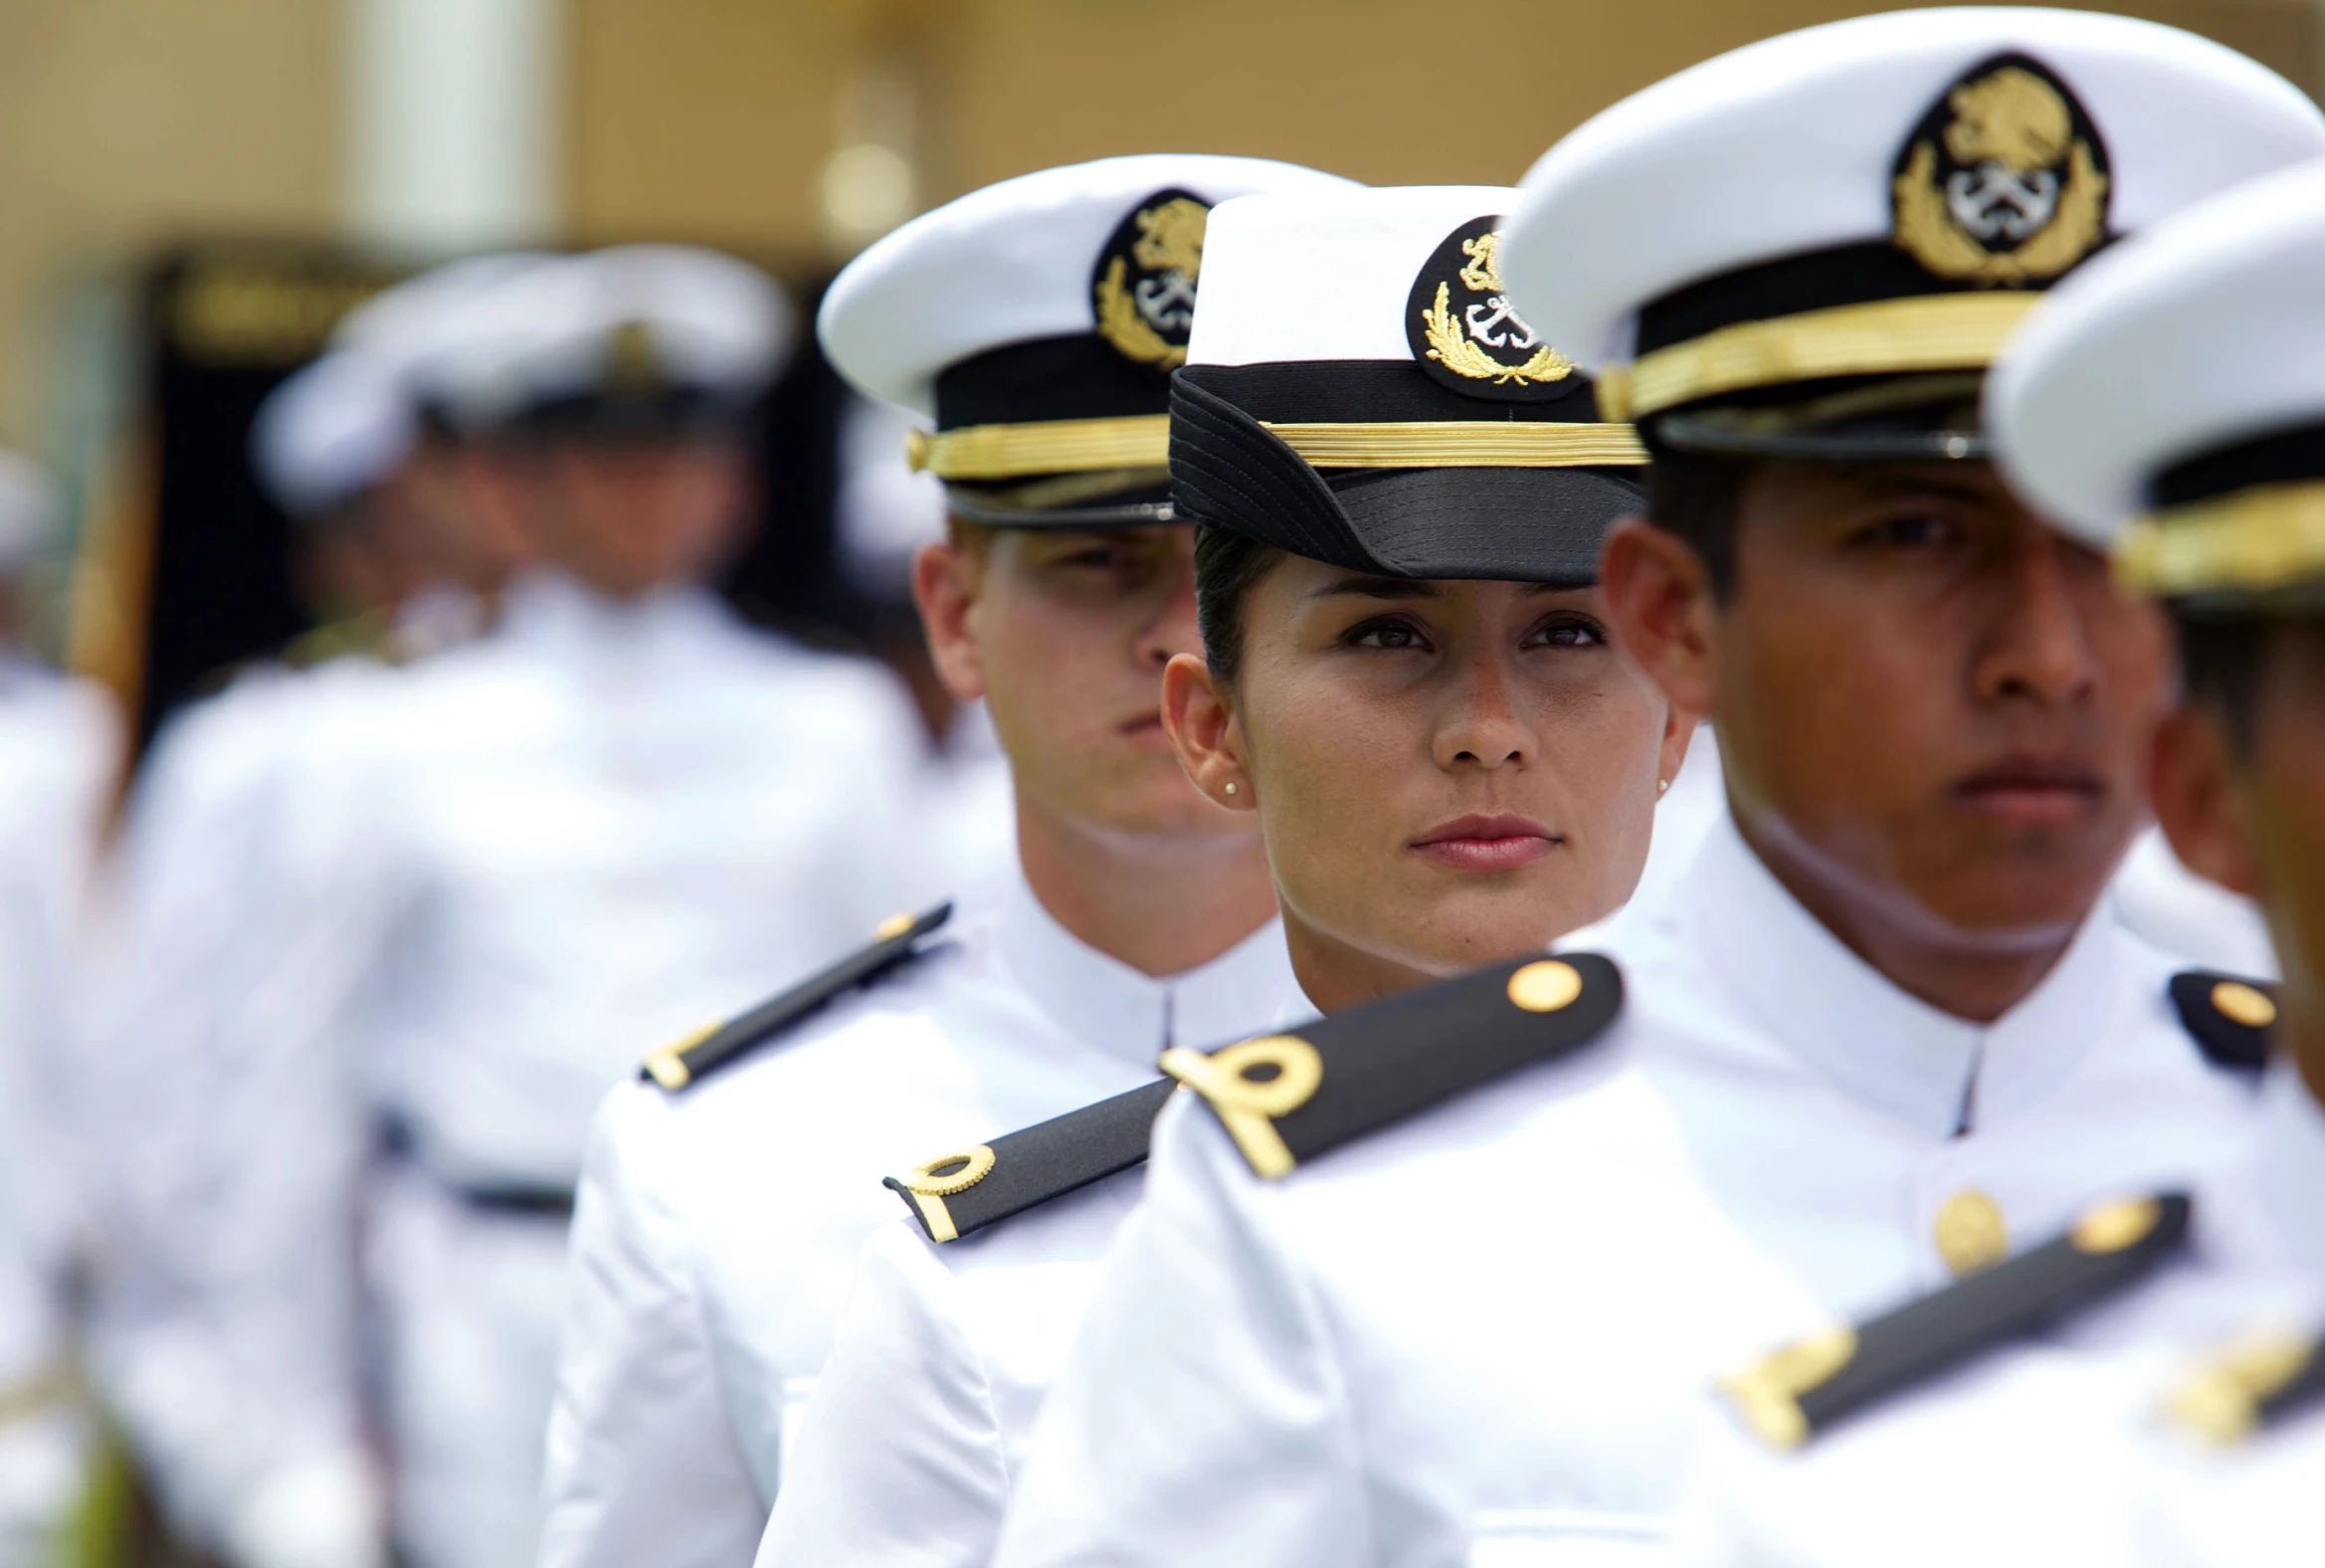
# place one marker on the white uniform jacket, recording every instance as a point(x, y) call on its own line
point(1511, 1309)
point(924, 1413)
point(2063, 1451)
point(718, 1228)
point(474, 891)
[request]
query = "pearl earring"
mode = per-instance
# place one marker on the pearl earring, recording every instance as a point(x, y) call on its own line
point(1231, 786)
point(1661, 785)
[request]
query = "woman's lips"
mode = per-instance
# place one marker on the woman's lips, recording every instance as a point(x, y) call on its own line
point(1486, 844)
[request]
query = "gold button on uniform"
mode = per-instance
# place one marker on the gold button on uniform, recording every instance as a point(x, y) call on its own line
point(1970, 1233)
point(1545, 986)
point(2239, 1003)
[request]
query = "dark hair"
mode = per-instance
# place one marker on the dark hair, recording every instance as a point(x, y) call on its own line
point(2222, 664)
point(1227, 564)
point(1696, 497)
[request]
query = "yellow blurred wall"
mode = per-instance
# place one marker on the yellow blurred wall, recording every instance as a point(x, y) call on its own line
point(713, 116)
point(126, 123)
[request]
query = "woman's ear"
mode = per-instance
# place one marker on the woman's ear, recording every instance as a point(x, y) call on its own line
point(1678, 734)
point(2199, 800)
point(1658, 600)
point(944, 587)
point(1202, 728)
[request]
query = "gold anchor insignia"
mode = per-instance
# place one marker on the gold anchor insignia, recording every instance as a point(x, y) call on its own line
point(2010, 129)
point(1767, 1393)
point(929, 1189)
point(1247, 1107)
point(1170, 242)
point(1449, 341)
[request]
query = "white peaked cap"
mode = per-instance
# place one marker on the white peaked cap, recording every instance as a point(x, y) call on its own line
point(1354, 253)
point(32, 514)
point(1007, 264)
point(1358, 391)
point(1788, 145)
point(332, 430)
point(405, 321)
point(710, 321)
point(2204, 334)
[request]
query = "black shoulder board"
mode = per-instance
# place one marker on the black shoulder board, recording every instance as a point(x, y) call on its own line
point(688, 1061)
point(2262, 1382)
point(961, 1193)
point(2232, 1019)
point(1815, 1383)
point(1290, 1098)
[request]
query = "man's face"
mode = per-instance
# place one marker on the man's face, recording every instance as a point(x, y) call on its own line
point(1065, 634)
point(1939, 704)
point(628, 516)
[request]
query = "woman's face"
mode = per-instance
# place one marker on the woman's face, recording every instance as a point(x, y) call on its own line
point(1447, 773)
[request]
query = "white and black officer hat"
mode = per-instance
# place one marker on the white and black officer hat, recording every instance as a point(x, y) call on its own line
point(1360, 391)
point(1036, 323)
point(2168, 404)
point(331, 431)
point(638, 339)
point(1815, 245)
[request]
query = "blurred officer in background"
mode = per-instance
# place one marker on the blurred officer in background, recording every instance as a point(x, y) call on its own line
point(58, 741)
point(1037, 320)
point(481, 881)
point(237, 1423)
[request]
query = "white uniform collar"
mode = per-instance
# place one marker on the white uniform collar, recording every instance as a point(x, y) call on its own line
point(547, 605)
point(2289, 1167)
point(1108, 1005)
point(1799, 985)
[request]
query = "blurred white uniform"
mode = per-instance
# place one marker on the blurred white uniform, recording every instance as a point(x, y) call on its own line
point(717, 1229)
point(248, 1428)
point(605, 824)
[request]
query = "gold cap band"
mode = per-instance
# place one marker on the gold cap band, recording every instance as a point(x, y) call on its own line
point(1462, 444)
point(1055, 446)
point(1954, 331)
point(2266, 537)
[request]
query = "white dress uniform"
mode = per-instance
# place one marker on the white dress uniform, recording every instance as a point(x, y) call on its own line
point(243, 1418)
point(1034, 324)
point(1497, 1322)
point(719, 1228)
point(609, 822)
point(2198, 475)
point(1511, 1309)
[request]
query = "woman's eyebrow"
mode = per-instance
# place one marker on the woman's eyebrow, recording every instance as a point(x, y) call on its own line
point(1371, 587)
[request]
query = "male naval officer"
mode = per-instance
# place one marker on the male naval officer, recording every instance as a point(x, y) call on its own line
point(617, 814)
point(236, 1414)
point(1037, 320)
point(1875, 1036)
point(2168, 405)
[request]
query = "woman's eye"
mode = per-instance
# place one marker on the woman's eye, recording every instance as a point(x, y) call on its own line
point(1569, 634)
point(1387, 634)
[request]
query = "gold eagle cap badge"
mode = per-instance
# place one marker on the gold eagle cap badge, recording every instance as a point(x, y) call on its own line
point(1463, 332)
point(1143, 288)
point(2004, 182)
